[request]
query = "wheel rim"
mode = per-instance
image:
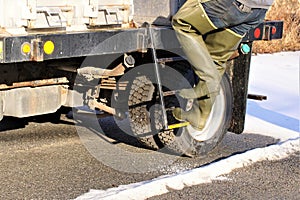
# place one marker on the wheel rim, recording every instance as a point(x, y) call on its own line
point(214, 121)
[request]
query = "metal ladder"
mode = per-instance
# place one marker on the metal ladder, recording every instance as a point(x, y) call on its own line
point(162, 94)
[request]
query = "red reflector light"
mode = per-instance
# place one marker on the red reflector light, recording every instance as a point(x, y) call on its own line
point(274, 30)
point(257, 33)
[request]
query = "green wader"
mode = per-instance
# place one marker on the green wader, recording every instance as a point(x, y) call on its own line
point(207, 56)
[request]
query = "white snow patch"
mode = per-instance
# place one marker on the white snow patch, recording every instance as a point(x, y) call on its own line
point(261, 127)
point(277, 77)
point(222, 178)
point(205, 174)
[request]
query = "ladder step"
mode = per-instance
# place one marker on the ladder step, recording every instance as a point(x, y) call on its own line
point(179, 125)
point(170, 59)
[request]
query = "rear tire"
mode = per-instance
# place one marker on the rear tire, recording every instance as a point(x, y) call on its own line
point(146, 122)
point(192, 142)
point(141, 92)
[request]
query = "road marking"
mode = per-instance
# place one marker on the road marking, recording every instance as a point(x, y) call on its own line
point(205, 174)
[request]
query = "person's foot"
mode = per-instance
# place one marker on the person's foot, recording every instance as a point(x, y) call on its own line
point(191, 116)
point(197, 115)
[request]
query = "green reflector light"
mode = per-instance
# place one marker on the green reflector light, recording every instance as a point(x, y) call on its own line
point(245, 48)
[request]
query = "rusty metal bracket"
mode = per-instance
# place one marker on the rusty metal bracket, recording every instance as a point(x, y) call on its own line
point(91, 73)
point(257, 97)
point(37, 51)
point(36, 83)
point(95, 104)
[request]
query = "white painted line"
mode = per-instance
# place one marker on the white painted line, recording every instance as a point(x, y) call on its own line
point(205, 174)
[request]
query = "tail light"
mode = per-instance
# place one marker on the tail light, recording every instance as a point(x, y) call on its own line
point(268, 30)
point(257, 33)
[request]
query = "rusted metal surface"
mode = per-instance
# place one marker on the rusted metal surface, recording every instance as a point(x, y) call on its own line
point(91, 114)
point(37, 53)
point(94, 73)
point(111, 84)
point(95, 104)
point(170, 93)
point(36, 83)
point(257, 97)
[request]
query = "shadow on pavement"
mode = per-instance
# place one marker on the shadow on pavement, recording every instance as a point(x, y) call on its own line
point(232, 143)
point(12, 123)
point(272, 117)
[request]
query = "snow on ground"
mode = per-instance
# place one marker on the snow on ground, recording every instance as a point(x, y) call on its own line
point(277, 77)
point(273, 75)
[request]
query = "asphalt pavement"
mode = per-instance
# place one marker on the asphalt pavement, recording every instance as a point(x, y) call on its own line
point(44, 160)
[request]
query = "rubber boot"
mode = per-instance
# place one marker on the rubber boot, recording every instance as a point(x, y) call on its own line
point(199, 57)
point(198, 114)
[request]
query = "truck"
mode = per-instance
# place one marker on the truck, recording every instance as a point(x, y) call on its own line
point(118, 58)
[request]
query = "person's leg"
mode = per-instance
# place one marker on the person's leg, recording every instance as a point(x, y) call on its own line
point(184, 23)
point(189, 27)
point(223, 24)
point(190, 23)
point(207, 56)
point(202, 63)
point(209, 80)
point(221, 45)
point(232, 25)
